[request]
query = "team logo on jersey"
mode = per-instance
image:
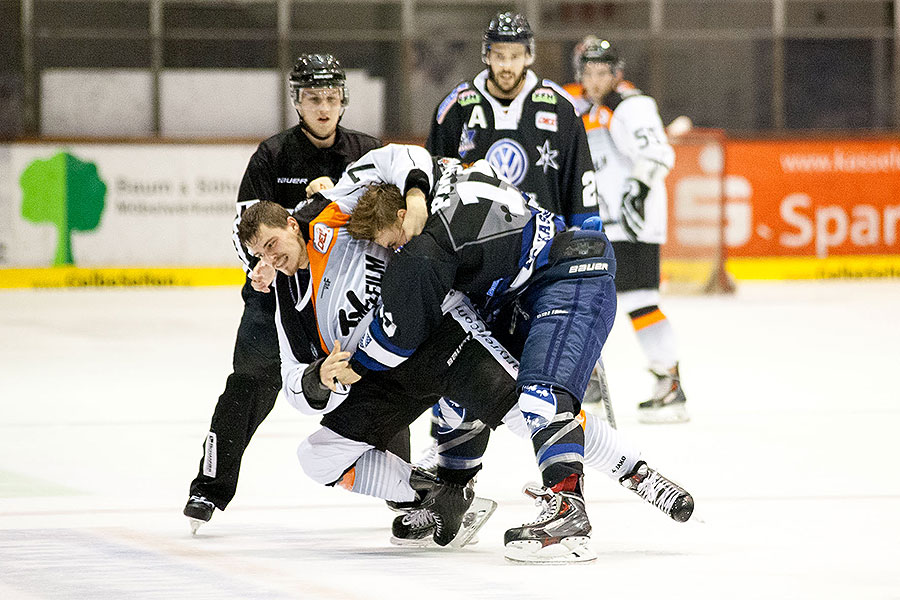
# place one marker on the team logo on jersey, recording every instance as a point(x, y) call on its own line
point(547, 157)
point(466, 141)
point(545, 95)
point(321, 237)
point(545, 120)
point(468, 97)
point(509, 159)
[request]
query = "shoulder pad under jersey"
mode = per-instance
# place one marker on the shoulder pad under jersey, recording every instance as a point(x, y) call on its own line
point(448, 102)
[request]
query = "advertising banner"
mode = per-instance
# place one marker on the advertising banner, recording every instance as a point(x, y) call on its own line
point(792, 209)
point(109, 206)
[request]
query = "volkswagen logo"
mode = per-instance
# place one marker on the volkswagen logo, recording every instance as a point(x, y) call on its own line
point(509, 159)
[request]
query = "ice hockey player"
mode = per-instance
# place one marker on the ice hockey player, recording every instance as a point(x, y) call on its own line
point(279, 171)
point(632, 157)
point(551, 288)
point(524, 126)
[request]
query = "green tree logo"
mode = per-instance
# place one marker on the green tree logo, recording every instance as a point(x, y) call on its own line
point(67, 192)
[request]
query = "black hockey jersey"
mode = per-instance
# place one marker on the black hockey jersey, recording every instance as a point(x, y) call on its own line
point(284, 164)
point(481, 238)
point(537, 142)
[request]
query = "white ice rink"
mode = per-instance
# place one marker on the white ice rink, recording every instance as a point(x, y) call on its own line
point(791, 455)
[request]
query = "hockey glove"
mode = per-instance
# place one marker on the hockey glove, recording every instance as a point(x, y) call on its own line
point(633, 208)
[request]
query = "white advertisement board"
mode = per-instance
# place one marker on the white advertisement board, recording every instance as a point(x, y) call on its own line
point(110, 205)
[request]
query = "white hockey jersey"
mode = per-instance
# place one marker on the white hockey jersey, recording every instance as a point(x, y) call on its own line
point(345, 273)
point(627, 139)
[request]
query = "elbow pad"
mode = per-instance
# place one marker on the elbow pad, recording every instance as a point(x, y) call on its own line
point(417, 179)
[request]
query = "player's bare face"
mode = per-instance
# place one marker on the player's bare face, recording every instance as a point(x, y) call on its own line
point(321, 109)
point(507, 62)
point(281, 247)
point(393, 237)
point(598, 80)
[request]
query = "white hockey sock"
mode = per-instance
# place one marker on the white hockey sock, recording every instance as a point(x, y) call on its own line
point(607, 450)
point(383, 475)
point(657, 339)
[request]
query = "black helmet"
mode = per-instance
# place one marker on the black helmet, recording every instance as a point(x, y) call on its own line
point(593, 49)
point(507, 27)
point(318, 71)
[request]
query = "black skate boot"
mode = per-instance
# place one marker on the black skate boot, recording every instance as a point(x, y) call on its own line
point(448, 504)
point(198, 510)
point(420, 480)
point(560, 534)
point(668, 404)
point(414, 529)
point(664, 494)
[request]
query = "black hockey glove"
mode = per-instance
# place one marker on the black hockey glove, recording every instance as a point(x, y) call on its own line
point(633, 208)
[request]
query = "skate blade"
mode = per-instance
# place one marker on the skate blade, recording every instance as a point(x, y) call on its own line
point(474, 519)
point(427, 542)
point(424, 543)
point(195, 524)
point(575, 549)
point(667, 414)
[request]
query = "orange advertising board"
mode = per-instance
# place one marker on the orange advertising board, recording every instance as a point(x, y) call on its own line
point(812, 198)
point(791, 209)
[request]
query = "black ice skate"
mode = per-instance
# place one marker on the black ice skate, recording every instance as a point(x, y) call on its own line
point(198, 510)
point(448, 504)
point(560, 534)
point(668, 402)
point(664, 494)
point(422, 481)
point(414, 529)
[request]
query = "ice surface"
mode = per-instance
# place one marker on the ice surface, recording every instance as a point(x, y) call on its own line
point(791, 455)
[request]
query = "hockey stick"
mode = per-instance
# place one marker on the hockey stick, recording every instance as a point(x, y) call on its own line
point(605, 399)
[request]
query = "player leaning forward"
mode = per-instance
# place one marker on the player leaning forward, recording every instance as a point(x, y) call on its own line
point(481, 237)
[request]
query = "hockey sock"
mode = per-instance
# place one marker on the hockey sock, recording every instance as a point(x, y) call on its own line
point(380, 474)
point(655, 335)
point(435, 421)
point(556, 435)
point(606, 449)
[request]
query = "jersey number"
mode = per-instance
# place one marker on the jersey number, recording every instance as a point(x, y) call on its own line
point(475, 187)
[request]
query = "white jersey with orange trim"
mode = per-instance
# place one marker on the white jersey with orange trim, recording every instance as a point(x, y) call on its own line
point(627, 140)
point(346, 273)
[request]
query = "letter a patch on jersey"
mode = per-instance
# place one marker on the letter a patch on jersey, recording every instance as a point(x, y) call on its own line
point(477, 118)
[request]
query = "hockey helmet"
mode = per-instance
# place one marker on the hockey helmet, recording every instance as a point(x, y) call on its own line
point(318, 71)
point(507, 27)
point(594, 49)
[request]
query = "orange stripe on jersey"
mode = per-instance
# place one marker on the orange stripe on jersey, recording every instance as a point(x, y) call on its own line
point(598, 116)
point(323, 231)
point(647, 320)
point(575, 90)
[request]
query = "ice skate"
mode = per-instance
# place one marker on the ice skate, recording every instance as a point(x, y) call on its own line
point(413, 529)
point(198, 510)
point(422, 482)
point(448, 504)
point(664, 494)
point(416, 528)
point(668, 402)
point(560, 534)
